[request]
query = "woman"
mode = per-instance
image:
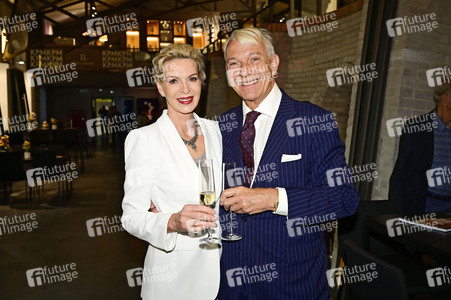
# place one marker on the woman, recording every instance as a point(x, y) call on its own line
point(161, 168)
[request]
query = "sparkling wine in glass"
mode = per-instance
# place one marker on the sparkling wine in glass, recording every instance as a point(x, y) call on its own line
point(207, 193)
point(230, 180)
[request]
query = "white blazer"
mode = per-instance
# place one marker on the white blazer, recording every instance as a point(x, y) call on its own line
point(160, 169)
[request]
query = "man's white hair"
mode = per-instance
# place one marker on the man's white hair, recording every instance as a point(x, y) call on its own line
point(251, 35)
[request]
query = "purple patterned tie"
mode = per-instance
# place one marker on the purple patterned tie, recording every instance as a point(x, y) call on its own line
point(247, 146)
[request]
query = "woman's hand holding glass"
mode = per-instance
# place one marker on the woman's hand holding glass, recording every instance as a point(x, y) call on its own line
point(192, 218)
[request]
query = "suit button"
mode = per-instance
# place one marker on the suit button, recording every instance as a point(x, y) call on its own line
point(244, 219)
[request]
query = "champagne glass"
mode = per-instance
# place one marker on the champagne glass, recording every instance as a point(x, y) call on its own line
point(230, 180)
point(207, 193)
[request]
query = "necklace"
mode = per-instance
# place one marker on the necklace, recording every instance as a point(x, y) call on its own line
point(192, 142)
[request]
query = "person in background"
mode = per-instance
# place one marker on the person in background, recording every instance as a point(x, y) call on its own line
point(421, 178)
point(161, 200)
point(143, 117)
point(103, 113)
point(285, 181)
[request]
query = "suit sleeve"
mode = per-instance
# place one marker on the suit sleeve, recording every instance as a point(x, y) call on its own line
point(402, 165)
point(323, 200)
point(139, 180)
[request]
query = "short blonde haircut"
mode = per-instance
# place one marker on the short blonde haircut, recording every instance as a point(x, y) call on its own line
point(251, 35)
point(178, 51)
point(439, 91)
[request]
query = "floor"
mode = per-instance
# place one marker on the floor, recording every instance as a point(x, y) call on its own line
point(55, 235)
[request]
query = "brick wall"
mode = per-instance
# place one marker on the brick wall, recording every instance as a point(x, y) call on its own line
point(407, 92)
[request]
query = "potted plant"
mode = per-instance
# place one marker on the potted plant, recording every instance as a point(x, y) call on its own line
point(4, 143)
point(31, 122)
point(26, 148)
point(54, 123)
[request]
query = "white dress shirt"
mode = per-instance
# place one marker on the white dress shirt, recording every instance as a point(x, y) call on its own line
point(268, 109)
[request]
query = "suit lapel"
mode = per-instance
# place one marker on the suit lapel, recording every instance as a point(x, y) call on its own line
point(279, 132)
point(235, 138)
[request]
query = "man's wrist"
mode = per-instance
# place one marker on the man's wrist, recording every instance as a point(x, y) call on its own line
point(276, 202)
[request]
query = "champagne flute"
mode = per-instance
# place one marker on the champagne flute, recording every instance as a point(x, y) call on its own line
point(229, 180)
point(207, 193)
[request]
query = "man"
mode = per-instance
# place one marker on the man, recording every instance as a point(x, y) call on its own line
point(285, 149)
point(421, 179)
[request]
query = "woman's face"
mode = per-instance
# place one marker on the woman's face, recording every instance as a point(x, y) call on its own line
point(180, 86)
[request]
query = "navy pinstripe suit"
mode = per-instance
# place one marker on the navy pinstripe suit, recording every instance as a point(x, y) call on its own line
point(300, 261)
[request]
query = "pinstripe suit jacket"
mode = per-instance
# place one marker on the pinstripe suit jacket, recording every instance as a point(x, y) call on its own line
point(270, 262)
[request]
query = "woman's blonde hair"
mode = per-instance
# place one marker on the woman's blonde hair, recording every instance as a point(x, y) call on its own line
point(174, 51)
point(251, 35)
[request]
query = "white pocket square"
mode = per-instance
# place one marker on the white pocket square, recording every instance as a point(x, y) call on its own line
point(290, 157)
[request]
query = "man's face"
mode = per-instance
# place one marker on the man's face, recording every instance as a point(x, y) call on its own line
point(250, 71)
